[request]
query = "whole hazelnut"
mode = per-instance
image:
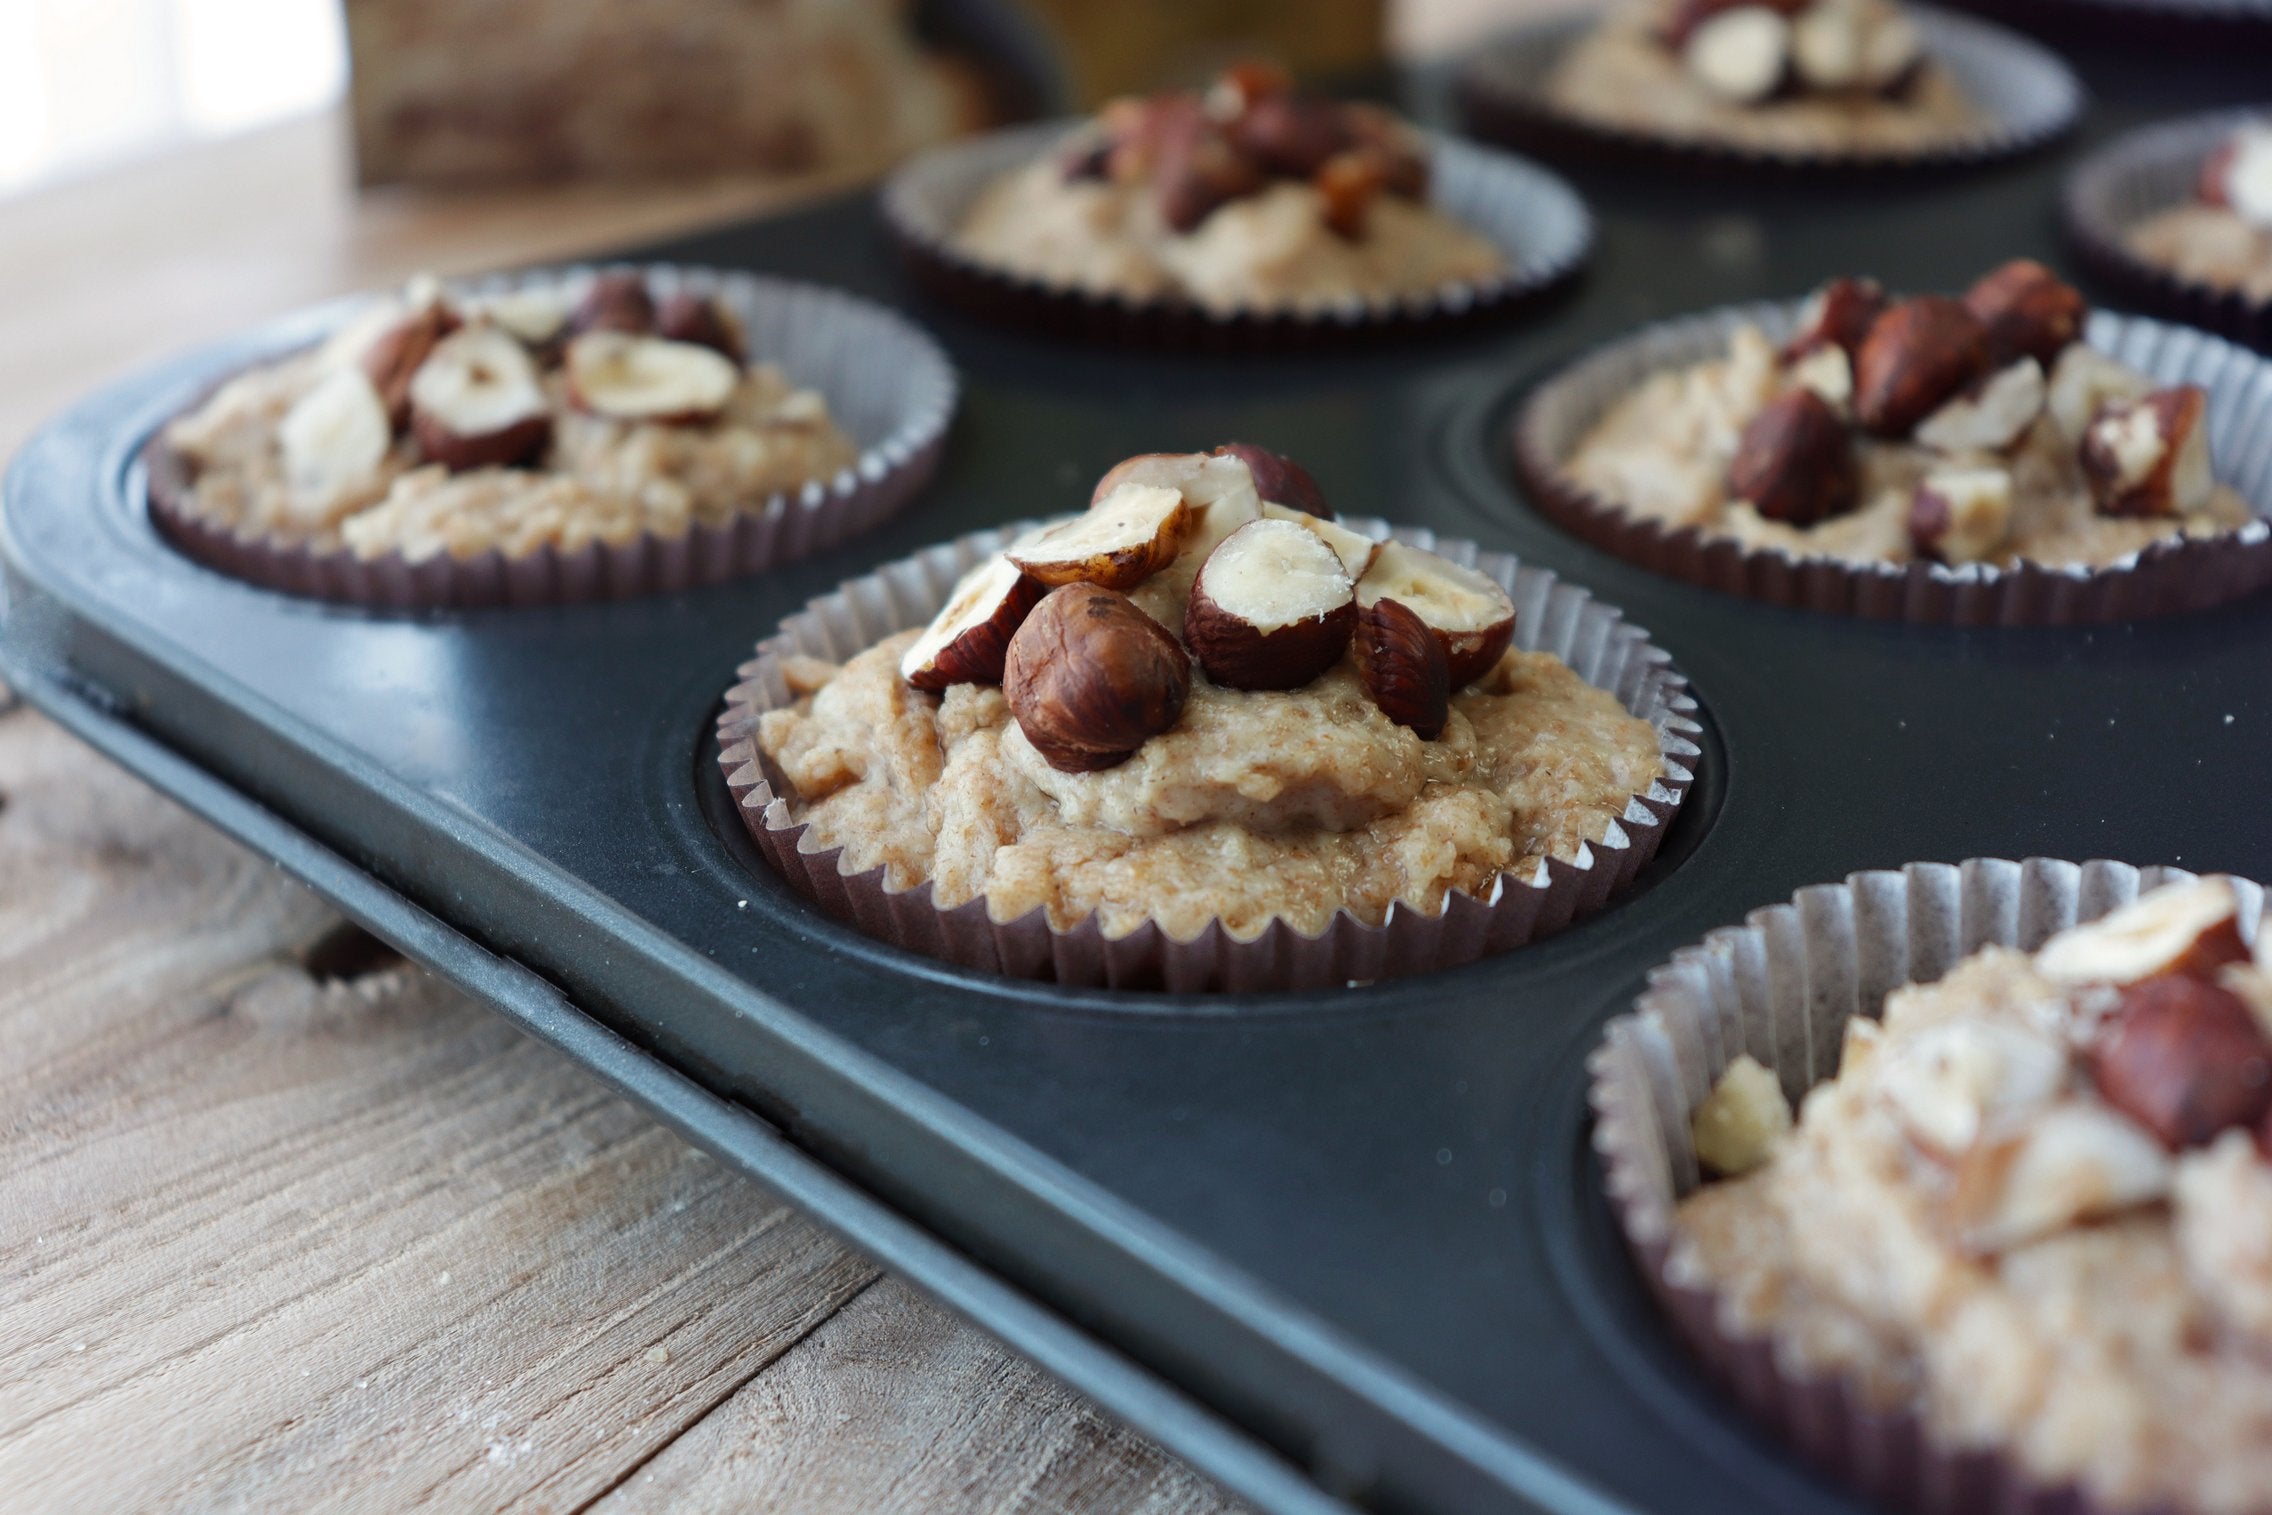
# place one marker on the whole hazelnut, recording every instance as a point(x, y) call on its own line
point(1198, 170)
point(1279, 479)
point(1290, 136)
point(2029, 311)
point(616, 301)
point(1918, 353)
point(1838, 314)
point(2186, 1059)
point(700, 319)
point(1795, 461)
point(1089, 677)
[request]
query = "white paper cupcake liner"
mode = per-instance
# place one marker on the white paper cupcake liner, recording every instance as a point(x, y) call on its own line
point(1781, 988)
point(1593, 638)
point(2182, 574)
point(888, 386)
point(2030, 99)
point(1537, 222)
point(2154, 169)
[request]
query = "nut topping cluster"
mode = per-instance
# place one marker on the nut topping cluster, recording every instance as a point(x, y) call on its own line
point(1279, 594)
point(1967, 380)
point(1748, 52)
point(466, 380)
point(1199, 152)
point(2155, 1044)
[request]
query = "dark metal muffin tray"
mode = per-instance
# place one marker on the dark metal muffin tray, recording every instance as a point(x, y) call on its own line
point(1356, 1234)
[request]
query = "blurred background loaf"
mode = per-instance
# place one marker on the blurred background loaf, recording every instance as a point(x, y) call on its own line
point(444, 91)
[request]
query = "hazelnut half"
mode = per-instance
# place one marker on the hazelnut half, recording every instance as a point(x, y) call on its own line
point(1990, 414)
point(1271, 608)
point(1917, 354)
point(334, 438)
point(1202, 478)
point(1794, 461)
point(1839, 314)
point(632, 378)
point(1742, 55)
point(2191, 928)
point(1467, 609)
point(477, 402)
point(1089, 677)
point(395, 357)
point(968, 639)
point(2082, 381)
point(2186, 1059)
point(1400, 661)
point(1960, 515)
point(1121, 541)
point(2150, 456)
point(2029, 311)
point(1355, 549)
point(2074, 1162)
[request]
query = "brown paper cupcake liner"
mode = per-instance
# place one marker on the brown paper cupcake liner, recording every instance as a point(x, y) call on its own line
point(2030, 97)
point(1593, 638)
point(2186, 573)
point(889, 386)
point(1781, 988)
point(1534, 218)
point(2135, 176)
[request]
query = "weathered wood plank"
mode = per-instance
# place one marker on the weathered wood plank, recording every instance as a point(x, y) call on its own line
point(298, 1243)
point(832, 1426)
point(274, 1239)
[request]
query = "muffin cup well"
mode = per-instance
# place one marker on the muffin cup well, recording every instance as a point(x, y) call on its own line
point(2030, 96)
point(888, 386)
point(1593, 638)
point(2187, 573)
point(1537, 222)
point(2153, 169)
point(1781, 988)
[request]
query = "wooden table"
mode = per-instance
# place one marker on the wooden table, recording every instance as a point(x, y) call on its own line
point(285, 1224)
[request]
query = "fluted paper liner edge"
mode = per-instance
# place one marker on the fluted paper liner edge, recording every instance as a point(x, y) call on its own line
point(2030, 96)
point(2182, 574)
point(1781, 988)
point(1551, 615)
point(1536, 220)
point(888, 385)
point(2153, 169)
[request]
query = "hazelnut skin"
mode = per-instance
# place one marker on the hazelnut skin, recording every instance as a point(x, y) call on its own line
point(1918, 353)
point(1089, 677)
point(1795, 462)
point(2186, 1059)
point(2029, 311)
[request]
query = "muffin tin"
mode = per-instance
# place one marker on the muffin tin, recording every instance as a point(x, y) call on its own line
point(1359, 1232)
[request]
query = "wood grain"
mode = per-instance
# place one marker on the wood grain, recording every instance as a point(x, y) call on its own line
point(274, 1239)
point(827, 1428)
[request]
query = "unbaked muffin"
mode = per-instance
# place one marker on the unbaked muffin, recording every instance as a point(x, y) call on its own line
point(1205, 701)
point(2033, 1208)
point(1244, 198)
point(1979, 429)
point(545, 417)
point(1802, 78)
point(2222, 236)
